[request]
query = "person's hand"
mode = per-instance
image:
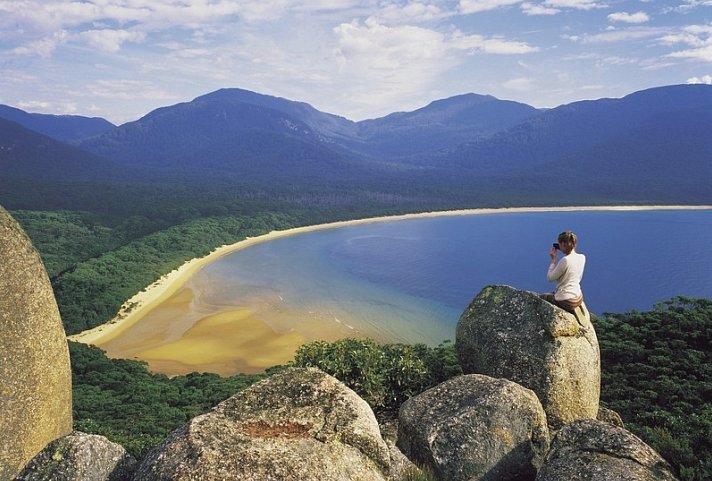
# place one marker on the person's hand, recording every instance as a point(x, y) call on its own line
point(552, 254)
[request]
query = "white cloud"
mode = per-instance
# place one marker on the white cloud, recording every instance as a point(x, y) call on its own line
point(699, 29)
point(380, 46)
point(376, 46)
point(111, 40)
point(387, 65)
point(522, 84)
point(637, 17)
point(538, 9)
point(574, 4)
point(478, 43)
point(705, 79)
point(60, 108)
point(614, 36)
point(691, 4)
point(475, 6)
point(682, 38)
point(409, 13)
point(704, 53)
point(17, 76)
point(699, 37)
point(41, 48)
point(123, 89)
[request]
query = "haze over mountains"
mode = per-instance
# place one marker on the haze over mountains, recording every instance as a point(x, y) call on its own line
point(650, 146)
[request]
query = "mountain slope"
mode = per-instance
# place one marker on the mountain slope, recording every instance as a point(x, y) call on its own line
point(246, 133)
point(328, 126)
point(581, 125)
point(442, 124)
point(652, 145)
point(26, 154)
point(65, 128)
point(230, 134)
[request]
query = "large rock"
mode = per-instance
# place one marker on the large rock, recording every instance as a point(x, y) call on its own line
point(514, 334)
point(80, 457)
point(35, 378)
point(589, 450)
point(609, 416)
point(300, 424)
point(475, 427)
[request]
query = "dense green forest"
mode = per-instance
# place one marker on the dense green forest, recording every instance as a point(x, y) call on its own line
point(657, 373)
point(92, 291)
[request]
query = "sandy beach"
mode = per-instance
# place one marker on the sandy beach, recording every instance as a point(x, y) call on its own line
point(244, 333)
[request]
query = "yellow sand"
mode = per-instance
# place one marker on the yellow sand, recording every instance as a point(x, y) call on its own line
point(225, 343)
point(239, 340)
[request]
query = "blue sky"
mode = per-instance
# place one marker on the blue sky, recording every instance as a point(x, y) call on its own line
point(120, 59)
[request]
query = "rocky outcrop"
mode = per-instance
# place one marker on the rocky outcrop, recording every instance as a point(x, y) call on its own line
point(589, 450)
point(300, 424)
point(514, 334)
point(35, 378)
point(609, 416)
point(80, 457)
point(475, 427)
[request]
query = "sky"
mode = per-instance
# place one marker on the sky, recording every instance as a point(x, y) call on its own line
point(121, 59)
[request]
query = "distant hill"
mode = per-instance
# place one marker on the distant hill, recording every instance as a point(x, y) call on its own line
point(443, 124)
point(65, 128)
point(233, 134)
point(651, 146)
point(26, 154)
point(654, 144)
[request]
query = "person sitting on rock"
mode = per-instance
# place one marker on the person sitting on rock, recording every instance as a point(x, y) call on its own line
point(567, 274)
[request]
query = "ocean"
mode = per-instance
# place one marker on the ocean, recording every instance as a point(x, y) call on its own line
point(409, 280)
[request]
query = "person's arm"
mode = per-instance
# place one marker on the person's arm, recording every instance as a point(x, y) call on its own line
point(555, 270)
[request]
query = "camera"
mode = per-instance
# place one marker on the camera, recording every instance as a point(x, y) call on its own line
point(556, 246)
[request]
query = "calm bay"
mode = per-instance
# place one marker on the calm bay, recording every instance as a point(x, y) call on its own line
point(409, 281)
point(430, 268)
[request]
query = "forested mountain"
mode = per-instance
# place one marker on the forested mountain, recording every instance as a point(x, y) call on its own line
point(442, 124)
point(584, 127)
point(27, 154)
point(232, 134)
point(66, 128)
point(652, 146)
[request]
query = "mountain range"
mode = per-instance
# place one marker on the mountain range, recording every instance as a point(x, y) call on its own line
point(650, 146)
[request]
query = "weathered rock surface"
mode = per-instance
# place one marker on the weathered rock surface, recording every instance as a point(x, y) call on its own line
point(514, 334)
point(300, 424)
point(80, 457)
point(35, 378)
point(475, 427)
point(589, 450)
point(609, 416)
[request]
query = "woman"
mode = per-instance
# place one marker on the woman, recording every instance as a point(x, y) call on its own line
point(567, 274)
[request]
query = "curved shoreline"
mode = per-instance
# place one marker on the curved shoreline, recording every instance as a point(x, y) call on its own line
point(138, 306)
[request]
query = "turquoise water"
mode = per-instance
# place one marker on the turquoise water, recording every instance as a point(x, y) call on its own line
point(410, 280)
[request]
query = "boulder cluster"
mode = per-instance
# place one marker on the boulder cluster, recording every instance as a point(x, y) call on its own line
point(527, 408)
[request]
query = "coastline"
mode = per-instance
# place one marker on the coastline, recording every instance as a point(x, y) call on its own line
point(138, 306)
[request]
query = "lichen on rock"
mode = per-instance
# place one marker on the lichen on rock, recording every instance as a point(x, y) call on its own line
point(80, 457)
point(300, 424)
point(475, 427)
point(35, 377)
point(590, 450)
point(514, 334)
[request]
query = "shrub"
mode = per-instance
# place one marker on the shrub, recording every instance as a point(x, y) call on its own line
point(384, 375)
